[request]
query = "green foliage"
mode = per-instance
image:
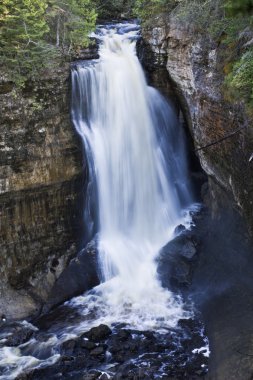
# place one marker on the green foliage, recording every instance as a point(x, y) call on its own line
point(70, 23)
point(111, 9)
point(230, 31)
point(22, 29)
point(238, 7)
point(229, 22)
point(239, 82)
point(198, 13)
point(146, 9)
point(27, 28)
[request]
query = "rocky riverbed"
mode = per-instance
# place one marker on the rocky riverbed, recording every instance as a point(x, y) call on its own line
point(111, 353)
point(61, 345)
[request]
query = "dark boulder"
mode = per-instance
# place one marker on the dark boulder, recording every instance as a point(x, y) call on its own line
point(96, 334)
point(80, 276)
point(176, 259)
point(16, 333)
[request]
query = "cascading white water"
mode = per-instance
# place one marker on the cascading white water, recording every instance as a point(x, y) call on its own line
point(138, 177)
point(137, 160)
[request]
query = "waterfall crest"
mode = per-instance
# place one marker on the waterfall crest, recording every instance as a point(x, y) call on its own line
point(136, 155)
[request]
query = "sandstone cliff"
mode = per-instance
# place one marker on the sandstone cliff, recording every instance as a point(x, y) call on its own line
point(222, 284)
point(41, 185)
point(221, 129)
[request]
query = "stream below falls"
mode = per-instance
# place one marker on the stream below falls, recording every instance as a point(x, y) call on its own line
point(133, 325)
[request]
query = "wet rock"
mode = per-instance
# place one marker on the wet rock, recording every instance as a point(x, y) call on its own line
point(190, 324)
point(97, 351)
point(131, 354)
point(176, 259)
point(179, 229)
point(68, 347)
point(99, 333)
point(91, 376)
point(80, 275)
point(88, 53)
point(15, 334)
point(123, 335)
point(87, 345)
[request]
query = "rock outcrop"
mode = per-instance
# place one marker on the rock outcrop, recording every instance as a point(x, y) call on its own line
point(41, 190)
point(222, 135)
point(220, 130)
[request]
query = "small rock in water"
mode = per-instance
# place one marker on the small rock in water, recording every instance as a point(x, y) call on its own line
point(16, 334)
point(92, 376)
point(88, 345)
point(98, 333)
point(98, 351)
point(179, 229)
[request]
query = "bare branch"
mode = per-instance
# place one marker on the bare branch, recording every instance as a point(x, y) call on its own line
point(222, 139)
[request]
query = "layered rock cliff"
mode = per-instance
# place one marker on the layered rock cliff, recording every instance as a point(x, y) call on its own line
point(220, 130)
point(41, 190)
point(222, 136)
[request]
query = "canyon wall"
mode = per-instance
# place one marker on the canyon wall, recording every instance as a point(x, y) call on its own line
point(41, 190)
point(220, 130)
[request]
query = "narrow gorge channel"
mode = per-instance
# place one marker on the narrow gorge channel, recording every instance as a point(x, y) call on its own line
point(140, 203)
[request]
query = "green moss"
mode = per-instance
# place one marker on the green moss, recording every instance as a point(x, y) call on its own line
point(239, 81)
point(230, 24)
point(147, 9)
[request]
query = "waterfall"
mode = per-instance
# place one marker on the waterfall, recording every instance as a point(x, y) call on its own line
point(138, 192)
point(138, 172)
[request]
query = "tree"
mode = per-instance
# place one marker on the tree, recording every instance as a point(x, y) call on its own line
point(71, 21)
point(146, 9)
point(26, 29)
point(22, 29)
point(111, 9)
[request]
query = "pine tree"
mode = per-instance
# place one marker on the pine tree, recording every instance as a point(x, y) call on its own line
point(22, 29)
point(71, 22)
point(26, 29)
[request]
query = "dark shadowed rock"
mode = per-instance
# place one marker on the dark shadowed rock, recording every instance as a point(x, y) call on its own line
point(99, 333)
point(179, 229)
point(68, 347)
point(176, 260)
point(88, 345)
point(15, 334)
point(129, 354)
point(97, 351)
point(79, 276)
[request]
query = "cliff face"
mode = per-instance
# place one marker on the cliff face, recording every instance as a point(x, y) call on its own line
point(41, 184)
point(222, 284)
point(194, 64)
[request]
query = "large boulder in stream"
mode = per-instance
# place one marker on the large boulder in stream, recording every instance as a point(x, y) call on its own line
point(176, 259)
point(79, 276)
